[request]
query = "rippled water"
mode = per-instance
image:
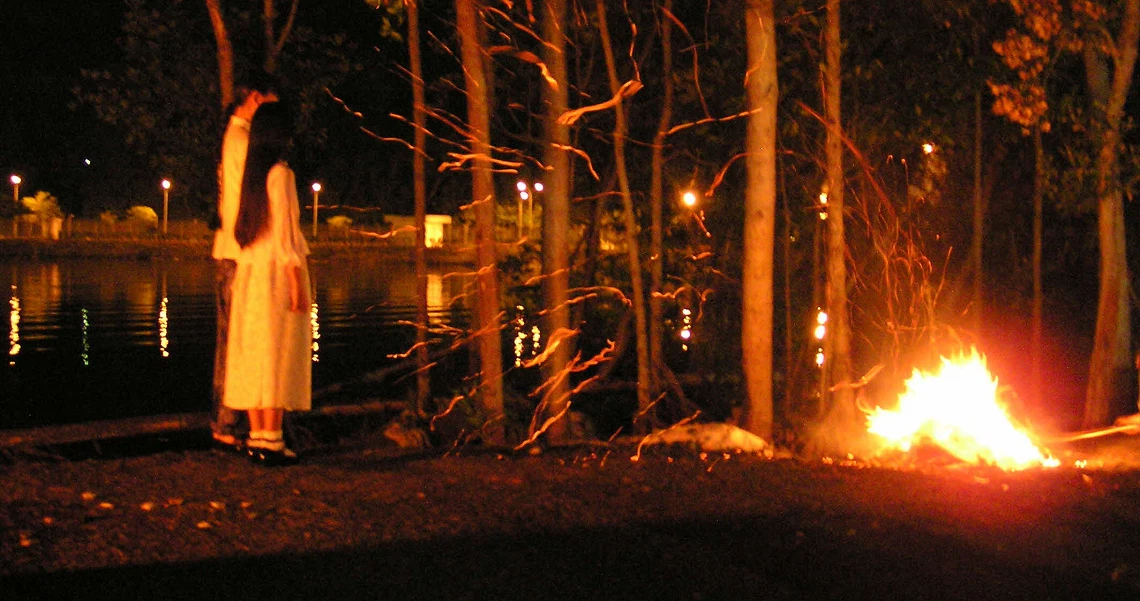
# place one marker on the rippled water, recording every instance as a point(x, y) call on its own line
point(92, 339)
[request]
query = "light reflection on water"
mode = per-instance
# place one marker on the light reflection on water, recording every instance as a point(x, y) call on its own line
point(100, 338)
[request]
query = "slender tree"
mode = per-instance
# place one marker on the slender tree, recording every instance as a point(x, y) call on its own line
point(274, 39)
point(225, 52)
point(274, 42)
point(837, 343)
point(423, 377)
point(657, 188)
point(470, 26)
point(637, 285)
point(1109, 66)
point(556, 210)
point(759, 216)
point(1106, 34)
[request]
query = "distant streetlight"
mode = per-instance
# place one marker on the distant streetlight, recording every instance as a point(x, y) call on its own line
point(689, 199)
point(316, 201)
point(524, 195)
point(165, 203)
point(15, 179)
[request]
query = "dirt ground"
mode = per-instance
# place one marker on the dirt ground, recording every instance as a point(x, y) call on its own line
point(369, 522)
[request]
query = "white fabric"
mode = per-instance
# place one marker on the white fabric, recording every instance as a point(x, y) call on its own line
point(269, 355)
point(235, 145)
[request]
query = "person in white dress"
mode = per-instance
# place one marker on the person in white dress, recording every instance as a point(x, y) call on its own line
point(269, 351)
point(230, 428)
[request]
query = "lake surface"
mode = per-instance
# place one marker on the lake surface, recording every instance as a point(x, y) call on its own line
point(92, 339)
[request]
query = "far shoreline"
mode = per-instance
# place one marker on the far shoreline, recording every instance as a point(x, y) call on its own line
point(143, 249)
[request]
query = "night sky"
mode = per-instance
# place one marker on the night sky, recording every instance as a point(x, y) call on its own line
point(45, 46)
point(46, 136)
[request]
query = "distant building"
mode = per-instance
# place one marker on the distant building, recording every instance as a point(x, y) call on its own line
point(437, 230)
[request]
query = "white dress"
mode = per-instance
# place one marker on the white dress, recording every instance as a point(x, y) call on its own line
point(269, 353)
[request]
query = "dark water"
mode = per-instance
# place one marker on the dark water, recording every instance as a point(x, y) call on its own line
point(91, 339)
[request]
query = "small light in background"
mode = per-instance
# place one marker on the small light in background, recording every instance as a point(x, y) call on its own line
point(689, 199)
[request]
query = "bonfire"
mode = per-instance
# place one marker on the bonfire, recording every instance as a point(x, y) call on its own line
point(957, 408)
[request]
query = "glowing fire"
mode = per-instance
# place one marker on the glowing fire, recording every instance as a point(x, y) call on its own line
point(957, 408)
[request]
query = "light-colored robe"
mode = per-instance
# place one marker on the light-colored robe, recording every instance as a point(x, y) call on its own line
point(269, 354)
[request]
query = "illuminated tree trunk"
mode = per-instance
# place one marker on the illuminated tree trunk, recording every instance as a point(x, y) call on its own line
point(486, 335)
point(1109, 79)
point(837, 342)
point(759, 217)
point(556, 212)
point(631, 229)
point(1038, 294)
point(979, 215)
point(274, 42)
point(225, 52)
point(657, 192)
point(423, 377)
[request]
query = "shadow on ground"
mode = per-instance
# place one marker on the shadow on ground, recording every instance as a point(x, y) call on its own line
point(748, 559)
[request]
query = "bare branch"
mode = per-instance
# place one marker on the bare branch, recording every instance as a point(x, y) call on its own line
point(627, 90)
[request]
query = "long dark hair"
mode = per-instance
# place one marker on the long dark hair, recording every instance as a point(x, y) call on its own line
point(269, 135)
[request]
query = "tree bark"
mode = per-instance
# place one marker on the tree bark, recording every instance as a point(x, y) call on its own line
point(423, 377)
point(483, 198)
point(225, 52)
point(759, 217)
point(978, 233)
point(657, 191)
point(556, 213)
point(837, 342)
point(1110, 367)
point(631, 228)
point(1038, 293)
point(274, 42)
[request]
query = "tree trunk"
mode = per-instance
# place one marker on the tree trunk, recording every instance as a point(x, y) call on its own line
point(837, 342)
point(483, 198)
point(759, 217)
point(631, 229)
point(556, 213)
point(978, 233)
point(1038, 295)
point(274, 42)
point(1110, 368)
point(423, 377)
point(225, 52)
point(657, 191)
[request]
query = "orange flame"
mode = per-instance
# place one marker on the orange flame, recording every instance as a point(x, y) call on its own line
point(957, 408)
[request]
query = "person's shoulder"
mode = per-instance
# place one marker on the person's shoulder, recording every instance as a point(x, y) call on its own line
point(281, 170)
